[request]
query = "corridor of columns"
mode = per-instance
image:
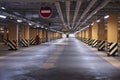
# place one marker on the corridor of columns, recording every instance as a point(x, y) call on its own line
point(59, 39)
point(62, 59)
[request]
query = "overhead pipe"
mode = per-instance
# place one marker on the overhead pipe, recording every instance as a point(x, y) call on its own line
point(60, 13)
point(68, 13)
point(102, 5)
point(26, 1)
point(78, 4)
point(85, 12)
point(16, 17)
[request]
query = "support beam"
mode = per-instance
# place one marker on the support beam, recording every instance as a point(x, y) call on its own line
point(5, 35)
point(40, 35)
point(112, 34)
point(85, 12)
point(87, 33)
point(95, 31)
point(68, 13)
point(57, 4)
point(25, 36)
point(78, 4)
point(13, 36)
point(101, 30)
point(33, 34)
point(102, 5)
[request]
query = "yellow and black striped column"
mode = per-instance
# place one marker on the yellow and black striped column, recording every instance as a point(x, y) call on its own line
point(40, 35)
point(95, 35)
point(5, 36)
point(89, 35)
point(25, 36)
point(33, 34)
point(44, 35)
point(13, 36)
point(112, 35)
point(82, 35)
point(101, 35)
point(51, 35)
point(86, 35)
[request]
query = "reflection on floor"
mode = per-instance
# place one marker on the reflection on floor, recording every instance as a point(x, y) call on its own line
point(63, 59)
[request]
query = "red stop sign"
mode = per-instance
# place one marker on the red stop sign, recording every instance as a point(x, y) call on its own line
point(45, 12)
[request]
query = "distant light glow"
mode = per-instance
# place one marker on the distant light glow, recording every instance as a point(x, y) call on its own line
point(37, 26)
point(98, 21)
point(19, 20)
point(107, 16)
point(2, 16)
point(42, 27)
point(29, 24)
point(92, 24)
point(1, 28)
point(3, 8)
point(71, 35)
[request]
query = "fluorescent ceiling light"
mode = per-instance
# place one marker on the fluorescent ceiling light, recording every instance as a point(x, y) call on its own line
point(107, 16)
point(98, 21)
point(19, 20)
point(92, 24)
point(3, 8)
point(42, 27)
point(37, 26)
point(29, 24)
point(2, 16)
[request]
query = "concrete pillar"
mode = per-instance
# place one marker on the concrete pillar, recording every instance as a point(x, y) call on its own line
point(101, 30)
point(57, 35)
point(80, 35)
point(90, 32)
point(54, 35)
point(95, 31)
point(95, 35)
point(112, 35)
point(48, 35)
point(25, 36)
point(25, 32)
point(40, 35)
point(13, 36)
point(33, 33)
point(44, 35)
point(84, 33)
point(5, 33)
point(87, 33)
point(5, 36)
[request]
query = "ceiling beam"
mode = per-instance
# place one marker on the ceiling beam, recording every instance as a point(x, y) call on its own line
point(26, 1)
point(85, 12)
point(68, 13)
point(57, 4)
point(102, 5)
point(78, 4)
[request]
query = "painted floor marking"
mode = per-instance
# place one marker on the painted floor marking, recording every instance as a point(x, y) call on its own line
point(50, 63)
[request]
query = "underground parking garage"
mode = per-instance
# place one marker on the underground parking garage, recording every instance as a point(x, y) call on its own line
point(59, 40)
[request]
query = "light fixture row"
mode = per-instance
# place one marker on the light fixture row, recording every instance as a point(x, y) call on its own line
point(21, 20)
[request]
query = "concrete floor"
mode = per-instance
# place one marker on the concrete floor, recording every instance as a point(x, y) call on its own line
point(63, 59)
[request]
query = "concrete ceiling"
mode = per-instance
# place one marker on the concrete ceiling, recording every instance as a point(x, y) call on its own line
point(68, 15)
